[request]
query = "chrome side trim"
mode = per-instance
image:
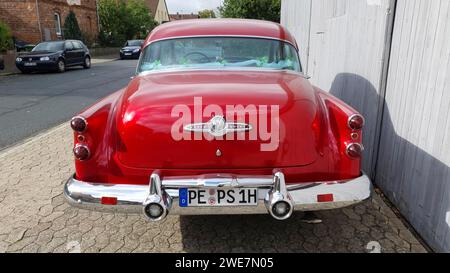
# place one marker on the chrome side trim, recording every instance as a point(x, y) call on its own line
point(133, 198)
point(204, 69)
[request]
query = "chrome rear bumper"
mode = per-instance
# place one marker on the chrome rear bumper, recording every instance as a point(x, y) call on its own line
point(165, 192)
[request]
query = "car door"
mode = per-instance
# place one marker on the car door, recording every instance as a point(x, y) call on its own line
point(78, 51)
point(70, 54)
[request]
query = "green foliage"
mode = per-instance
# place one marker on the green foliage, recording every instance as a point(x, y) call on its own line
point(71, 28)
point(123, 20)
point(207, 13)
point(262, 9)
point(6, 41)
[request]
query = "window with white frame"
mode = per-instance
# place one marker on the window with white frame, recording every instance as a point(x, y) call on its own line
point(58, 24)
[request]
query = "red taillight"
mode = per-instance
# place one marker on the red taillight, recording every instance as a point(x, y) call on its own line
point(356, 122)
point(316, 126)
point(78, 124)
point(324, 198)
point(354, 150)
point(109, 201)
point(81, 152)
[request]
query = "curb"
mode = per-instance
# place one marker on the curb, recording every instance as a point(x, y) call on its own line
point(100, 60)
point(8, 74)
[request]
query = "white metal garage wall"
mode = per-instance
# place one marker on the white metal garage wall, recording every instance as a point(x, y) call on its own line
point(349, 45)
point(297, 15)
point(413, 167)
point(345, 53)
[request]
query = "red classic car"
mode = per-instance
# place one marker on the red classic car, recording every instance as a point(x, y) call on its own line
point(219, 119)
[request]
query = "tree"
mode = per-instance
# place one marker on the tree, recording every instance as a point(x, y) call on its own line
point(139, 20)
point(6, 41)
point(207, 13)
point(123, 20)
point(71, 28)
point(262, 9)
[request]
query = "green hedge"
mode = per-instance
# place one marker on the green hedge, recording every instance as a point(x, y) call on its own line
point(6, 41)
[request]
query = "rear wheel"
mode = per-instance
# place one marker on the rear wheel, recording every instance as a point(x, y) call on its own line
point(87, 62)
point(61, 66)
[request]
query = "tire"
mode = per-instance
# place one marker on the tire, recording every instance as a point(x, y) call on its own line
point(61, 66)
point(87, 62)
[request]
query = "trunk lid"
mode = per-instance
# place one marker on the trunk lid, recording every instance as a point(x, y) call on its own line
point(155, 108)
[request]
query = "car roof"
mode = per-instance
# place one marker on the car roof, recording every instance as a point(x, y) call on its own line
point(220, 27)
point(60, 41)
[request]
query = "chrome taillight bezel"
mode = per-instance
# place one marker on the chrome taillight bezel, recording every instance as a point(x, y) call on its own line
point(349, 121)
point(82, 146)
point(83, 119)
point(354, 144)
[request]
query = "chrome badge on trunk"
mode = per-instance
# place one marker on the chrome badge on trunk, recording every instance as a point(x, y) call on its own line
point(218, 127)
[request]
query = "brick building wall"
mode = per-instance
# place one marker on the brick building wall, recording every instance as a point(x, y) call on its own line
point(21, 17)
point(32, 23)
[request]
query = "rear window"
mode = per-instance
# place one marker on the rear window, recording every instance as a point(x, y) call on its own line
point(220, 52)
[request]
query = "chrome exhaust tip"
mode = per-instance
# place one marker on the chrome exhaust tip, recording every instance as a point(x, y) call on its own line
point(278, 201)
point(156, 206)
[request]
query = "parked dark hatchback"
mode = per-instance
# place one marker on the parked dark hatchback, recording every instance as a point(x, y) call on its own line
point(132, 49)
point(54, 56)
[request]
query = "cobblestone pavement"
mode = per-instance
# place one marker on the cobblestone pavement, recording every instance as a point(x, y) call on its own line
point(35, 218)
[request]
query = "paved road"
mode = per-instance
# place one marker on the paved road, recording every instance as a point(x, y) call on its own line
point(35, 218)
point(32, 103)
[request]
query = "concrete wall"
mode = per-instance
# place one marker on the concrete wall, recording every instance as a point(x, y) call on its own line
point(391, 61)
point(9, 59)
point(104, 51)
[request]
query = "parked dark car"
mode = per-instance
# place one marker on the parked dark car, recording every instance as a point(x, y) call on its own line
point(22, 46)
point(54, 56)
point(131, 49)
point(2, 63)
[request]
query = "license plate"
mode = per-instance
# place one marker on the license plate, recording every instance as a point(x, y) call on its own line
point(218, 197)
point(127, 54)
point(29, 64)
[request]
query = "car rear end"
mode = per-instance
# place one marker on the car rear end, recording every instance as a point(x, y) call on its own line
point(127, 161)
